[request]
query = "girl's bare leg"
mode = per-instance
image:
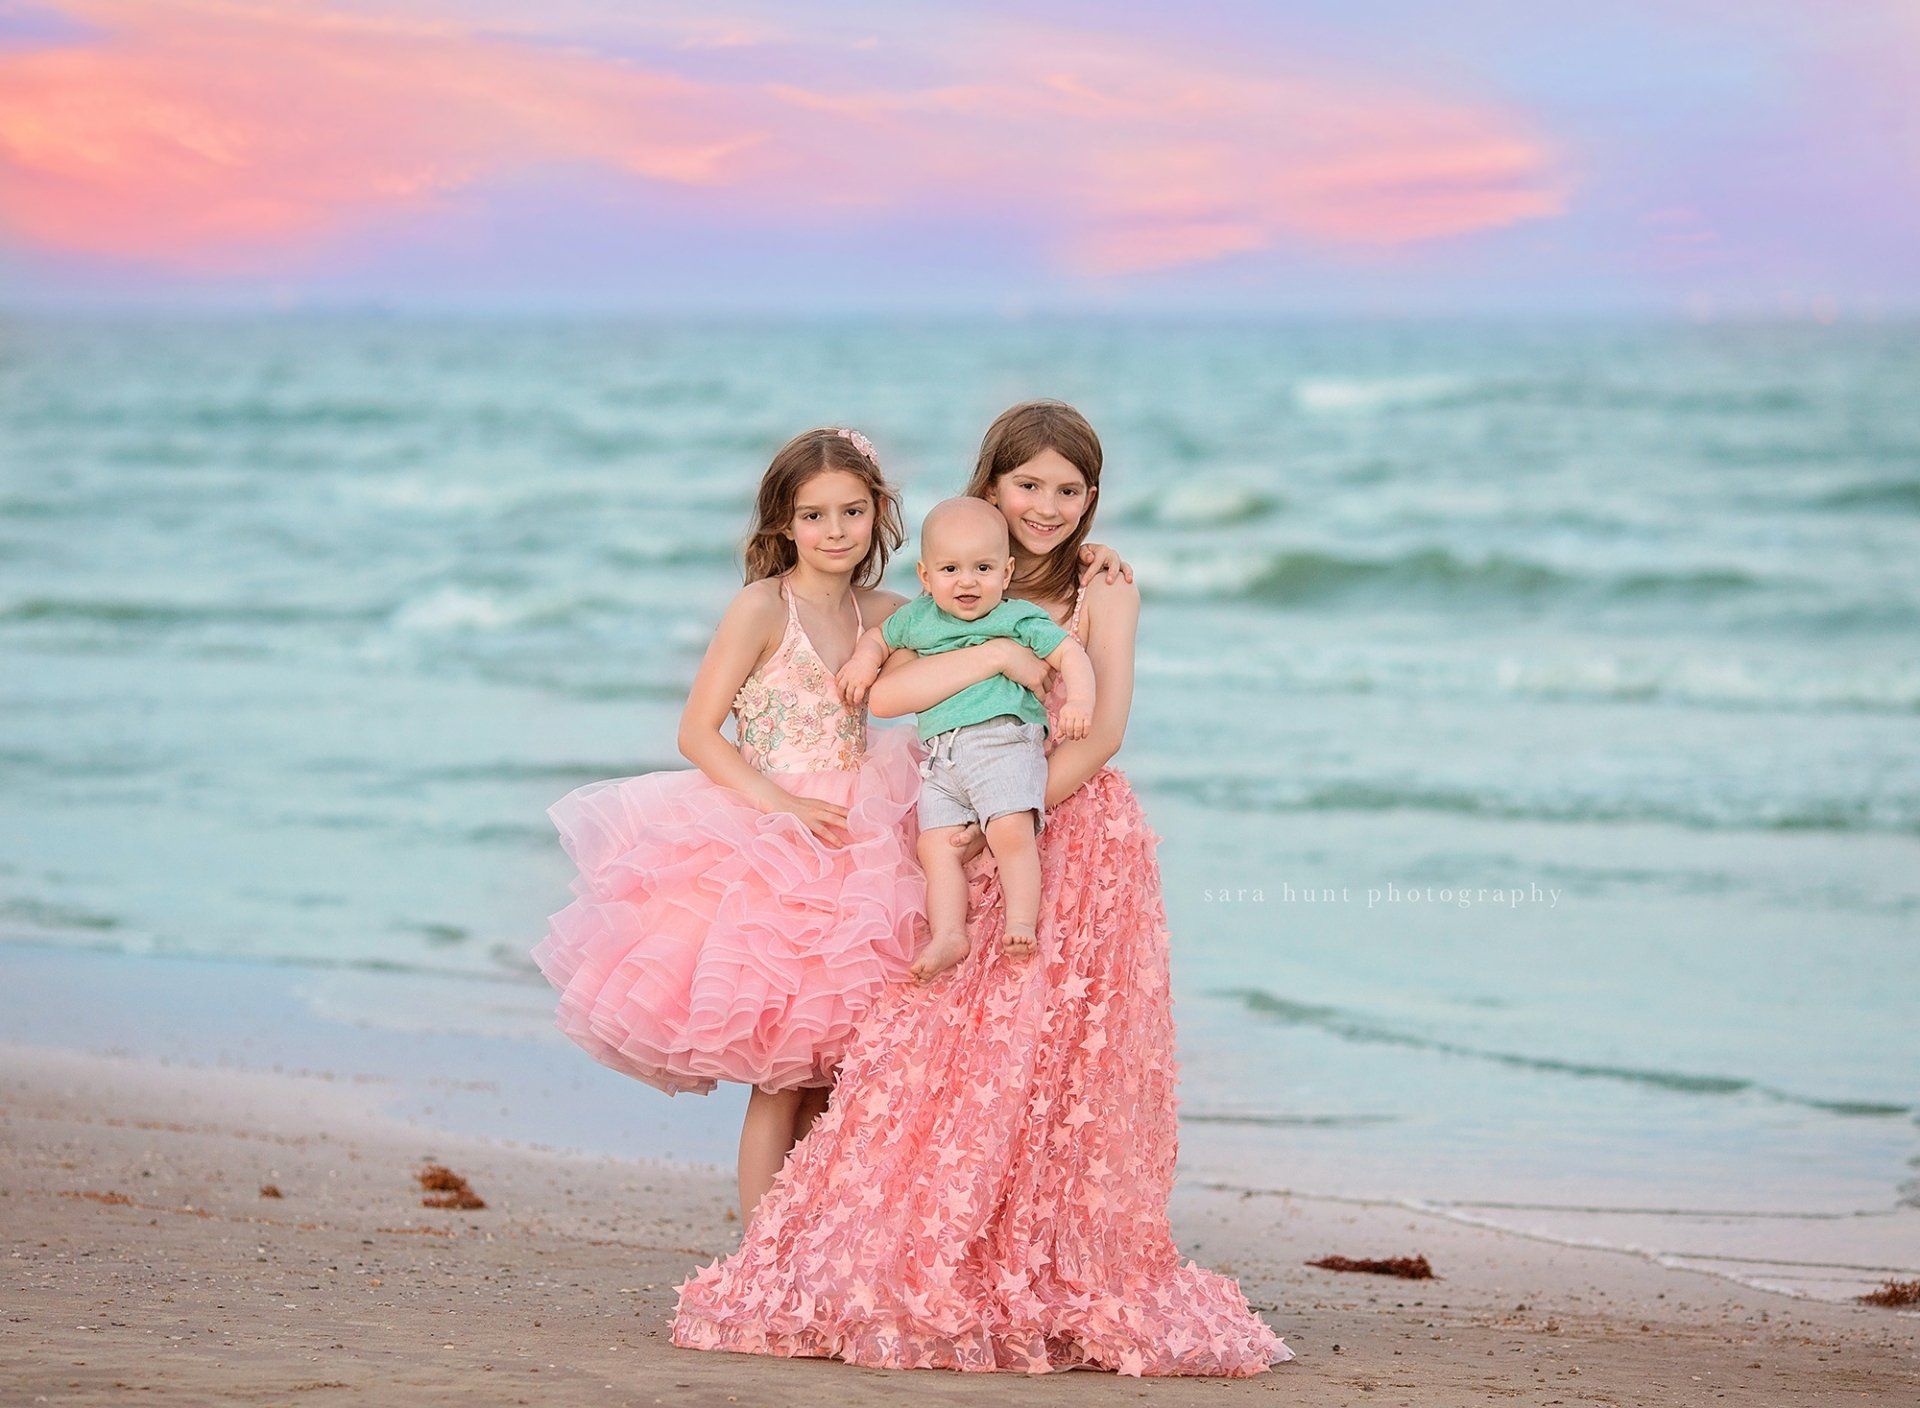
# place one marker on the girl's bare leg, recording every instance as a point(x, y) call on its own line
point(766, 1138)
point(813, 1104)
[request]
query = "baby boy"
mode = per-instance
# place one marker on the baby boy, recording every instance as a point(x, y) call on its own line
point(986, 760)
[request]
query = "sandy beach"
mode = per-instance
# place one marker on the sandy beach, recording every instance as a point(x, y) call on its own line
point(1506, 423)
point(144, 1258)
point(1539, 859)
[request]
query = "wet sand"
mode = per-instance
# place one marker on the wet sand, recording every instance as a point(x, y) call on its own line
point(146, 1265)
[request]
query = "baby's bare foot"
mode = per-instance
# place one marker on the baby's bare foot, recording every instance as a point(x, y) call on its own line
point(1017, 945)
point(940, 954)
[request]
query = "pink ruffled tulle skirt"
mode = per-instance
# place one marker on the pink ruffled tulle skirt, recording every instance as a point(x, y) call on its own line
point(711, 941)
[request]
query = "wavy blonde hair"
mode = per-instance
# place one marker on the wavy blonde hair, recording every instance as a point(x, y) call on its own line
point(769, 552)
point(1016, 436)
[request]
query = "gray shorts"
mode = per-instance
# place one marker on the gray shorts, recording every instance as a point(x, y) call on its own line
point(984, 770)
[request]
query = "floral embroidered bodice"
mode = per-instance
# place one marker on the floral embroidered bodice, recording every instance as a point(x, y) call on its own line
point(790, 718)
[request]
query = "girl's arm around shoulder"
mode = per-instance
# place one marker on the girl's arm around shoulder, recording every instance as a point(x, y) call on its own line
point(1100, 560)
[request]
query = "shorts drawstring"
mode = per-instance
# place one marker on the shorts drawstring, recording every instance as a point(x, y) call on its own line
point(934, 745)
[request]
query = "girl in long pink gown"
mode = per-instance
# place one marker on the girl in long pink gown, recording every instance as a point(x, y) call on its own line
point(988, 1187)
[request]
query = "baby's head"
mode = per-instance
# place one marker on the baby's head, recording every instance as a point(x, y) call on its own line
point(965, 559)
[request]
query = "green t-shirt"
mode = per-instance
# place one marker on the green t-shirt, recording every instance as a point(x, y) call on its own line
point(922, 627)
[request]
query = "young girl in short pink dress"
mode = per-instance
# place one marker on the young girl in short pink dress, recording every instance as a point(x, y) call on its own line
point(732, 921)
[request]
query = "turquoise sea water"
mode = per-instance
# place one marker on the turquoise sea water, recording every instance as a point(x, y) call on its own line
point(1531, 714)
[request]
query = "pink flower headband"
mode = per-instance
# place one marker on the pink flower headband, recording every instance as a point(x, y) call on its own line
point(860, 443)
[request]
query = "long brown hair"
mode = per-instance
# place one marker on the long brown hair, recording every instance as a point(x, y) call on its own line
point(770, 552)
point(1019, 434)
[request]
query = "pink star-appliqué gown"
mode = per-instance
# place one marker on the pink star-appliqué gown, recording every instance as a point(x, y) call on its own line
point(710, 941)
point(988, 1188)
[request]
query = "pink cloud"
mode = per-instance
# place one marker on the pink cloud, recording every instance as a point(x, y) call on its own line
point(216, 134)
point(1147, 159)
point(189, 134)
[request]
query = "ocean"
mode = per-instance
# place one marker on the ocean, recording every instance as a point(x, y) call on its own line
point(1530, 712)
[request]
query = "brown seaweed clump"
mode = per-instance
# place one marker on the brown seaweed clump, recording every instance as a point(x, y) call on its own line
point(461, 1199)
point(1894, 1293)
point(271, 1190)
point(448, 1189)
point(1412, 1268)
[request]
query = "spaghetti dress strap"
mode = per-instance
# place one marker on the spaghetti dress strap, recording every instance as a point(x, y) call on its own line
point(793, 627)
point(1073, 622)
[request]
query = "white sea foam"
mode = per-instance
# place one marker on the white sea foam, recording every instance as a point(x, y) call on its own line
point(1351, 395)
point(456, 609)
point(1205, 503)
point(428, 495)
point(1726, 682)
point(1811, 1256)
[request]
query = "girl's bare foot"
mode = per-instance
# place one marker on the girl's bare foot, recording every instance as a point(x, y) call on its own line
point(940, 954)
point(1017, 945)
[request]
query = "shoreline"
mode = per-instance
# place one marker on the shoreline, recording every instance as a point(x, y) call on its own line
point(146, 1258)
point(480, 1057)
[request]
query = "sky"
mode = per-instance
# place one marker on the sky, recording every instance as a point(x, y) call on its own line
point(1347, 157)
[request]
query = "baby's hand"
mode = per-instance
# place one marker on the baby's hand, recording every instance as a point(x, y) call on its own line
point(856, 677)
point(1076, 721)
